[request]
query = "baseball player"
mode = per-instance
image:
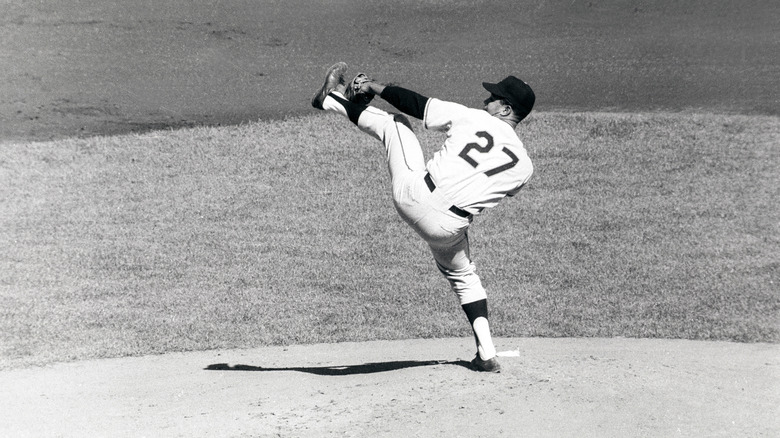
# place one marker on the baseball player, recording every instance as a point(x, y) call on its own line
point(481, 162)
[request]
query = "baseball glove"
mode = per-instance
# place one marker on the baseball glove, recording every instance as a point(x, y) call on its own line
point(353, 92)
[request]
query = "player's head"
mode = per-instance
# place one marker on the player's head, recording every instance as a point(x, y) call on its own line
point(511, 92)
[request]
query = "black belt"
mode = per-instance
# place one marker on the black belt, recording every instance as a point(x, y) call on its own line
point(454, 209)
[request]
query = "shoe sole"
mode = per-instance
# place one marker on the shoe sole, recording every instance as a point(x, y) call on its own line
point(482, 370)
point(478, 367)
point(338, 68)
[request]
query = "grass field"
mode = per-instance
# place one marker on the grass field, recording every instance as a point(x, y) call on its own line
point(635, 225)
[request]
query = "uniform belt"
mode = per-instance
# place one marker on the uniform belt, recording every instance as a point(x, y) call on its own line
point(454, 209)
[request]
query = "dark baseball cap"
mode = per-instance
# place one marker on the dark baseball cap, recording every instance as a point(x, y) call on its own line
point(516, 92)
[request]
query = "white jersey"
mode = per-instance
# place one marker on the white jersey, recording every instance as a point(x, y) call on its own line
point(482, 160)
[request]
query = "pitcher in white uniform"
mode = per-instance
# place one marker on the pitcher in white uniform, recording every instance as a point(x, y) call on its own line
point(481, 162)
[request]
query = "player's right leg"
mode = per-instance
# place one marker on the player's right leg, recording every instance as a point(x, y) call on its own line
point(447, 236)
point(454, 261)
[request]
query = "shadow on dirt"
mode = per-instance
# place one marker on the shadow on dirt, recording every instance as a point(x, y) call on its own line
point(346, 370)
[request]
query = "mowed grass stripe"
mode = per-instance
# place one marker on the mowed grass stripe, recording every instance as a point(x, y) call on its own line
point(636, 225)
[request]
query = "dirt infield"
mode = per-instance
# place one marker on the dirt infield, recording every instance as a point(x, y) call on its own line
point(420, 388)
point(76, 68)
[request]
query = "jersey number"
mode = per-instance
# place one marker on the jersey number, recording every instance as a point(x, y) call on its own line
point(484, 149)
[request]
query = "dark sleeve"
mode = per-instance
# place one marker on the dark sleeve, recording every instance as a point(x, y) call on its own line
point(406, 101)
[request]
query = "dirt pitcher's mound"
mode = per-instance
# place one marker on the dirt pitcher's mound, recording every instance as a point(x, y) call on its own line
point(555, 387)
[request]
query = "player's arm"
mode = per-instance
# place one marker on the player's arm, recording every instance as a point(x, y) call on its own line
point(406, 101)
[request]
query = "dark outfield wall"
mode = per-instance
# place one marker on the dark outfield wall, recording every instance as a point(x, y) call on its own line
point(85, 67)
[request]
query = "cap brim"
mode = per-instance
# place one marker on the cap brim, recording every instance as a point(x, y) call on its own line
point(493, 89)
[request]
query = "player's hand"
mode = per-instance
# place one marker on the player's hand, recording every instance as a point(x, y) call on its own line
point(371, 87)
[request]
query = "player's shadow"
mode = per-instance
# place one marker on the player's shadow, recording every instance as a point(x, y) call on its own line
point(345, 370)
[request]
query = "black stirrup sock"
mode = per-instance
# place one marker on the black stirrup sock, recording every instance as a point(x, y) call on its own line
point(354, 110)
point(475, 310)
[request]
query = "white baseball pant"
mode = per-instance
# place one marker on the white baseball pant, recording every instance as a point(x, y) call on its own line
point(426, 211)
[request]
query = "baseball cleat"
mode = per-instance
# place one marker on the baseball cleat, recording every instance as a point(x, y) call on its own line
point(353, 93)
point(333, 81)
point(488, 366)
